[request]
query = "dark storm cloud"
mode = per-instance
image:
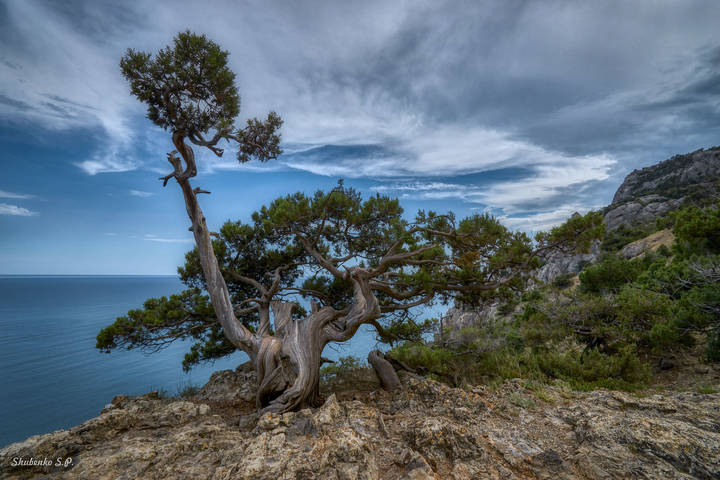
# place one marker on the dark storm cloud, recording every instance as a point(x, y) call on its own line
point(14, 103)
point(572, 94)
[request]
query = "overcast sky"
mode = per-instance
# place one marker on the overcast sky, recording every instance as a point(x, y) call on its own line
point(529, 110)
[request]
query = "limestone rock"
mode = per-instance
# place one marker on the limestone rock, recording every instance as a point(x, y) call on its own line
point(640, 211)
point(650, 243)
point(230, 386)
point(652, 192)
point(426, 430)
point(560, 263)
point(699, 167)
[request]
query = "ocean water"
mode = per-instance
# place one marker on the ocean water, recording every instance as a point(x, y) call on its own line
point(51, 375)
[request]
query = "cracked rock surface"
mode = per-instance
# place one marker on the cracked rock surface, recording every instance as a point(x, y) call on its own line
point(427, 430)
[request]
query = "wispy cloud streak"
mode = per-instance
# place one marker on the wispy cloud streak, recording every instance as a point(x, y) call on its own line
point(14, 210)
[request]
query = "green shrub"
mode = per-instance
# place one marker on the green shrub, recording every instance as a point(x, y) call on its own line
point(348, 373)
point(619, 237)
point(713, 346)
point(638, 311)
point(613, 272)
point(706, 389)
point(594, 369)
point(664, 251)
point(663, 336)
point(344, 365)
point(563, 281)
point(435, 359)
point(697, 230)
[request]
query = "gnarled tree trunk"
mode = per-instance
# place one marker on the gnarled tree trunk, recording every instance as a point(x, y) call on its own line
point(289, 367)
point(287, 363)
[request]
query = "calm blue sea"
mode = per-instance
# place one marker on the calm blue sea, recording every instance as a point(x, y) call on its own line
point(51, 375)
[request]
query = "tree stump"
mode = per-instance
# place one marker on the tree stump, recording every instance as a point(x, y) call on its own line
point(384, 370)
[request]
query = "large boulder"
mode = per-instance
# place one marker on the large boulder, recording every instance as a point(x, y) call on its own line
point(230, 386)
point(560, 263)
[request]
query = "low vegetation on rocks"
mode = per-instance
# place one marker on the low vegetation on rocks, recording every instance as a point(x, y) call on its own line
point(618, 325)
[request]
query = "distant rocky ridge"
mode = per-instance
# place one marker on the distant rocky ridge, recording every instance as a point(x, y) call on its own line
point(424, 431)
point(674, 178)
point(653, 191)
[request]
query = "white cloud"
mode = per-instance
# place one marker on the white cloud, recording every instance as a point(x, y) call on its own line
point(140, 193)
point(108, 160)
point(417, 80)
point(7, 209)
point(549, 181)
point(460, 150)
point(4, 194)
point(543, 221)
point(154, 238)
point(65, 79)
point(552, 174)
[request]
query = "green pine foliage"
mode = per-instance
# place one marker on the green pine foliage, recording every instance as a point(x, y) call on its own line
point(624, 316)
point(452, 256)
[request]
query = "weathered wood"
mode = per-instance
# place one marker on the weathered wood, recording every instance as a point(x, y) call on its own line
point(384, 370)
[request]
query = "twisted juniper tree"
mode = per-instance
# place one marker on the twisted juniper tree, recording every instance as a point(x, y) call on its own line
point(307, 270)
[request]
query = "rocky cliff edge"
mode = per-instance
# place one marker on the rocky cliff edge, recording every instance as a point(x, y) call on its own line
point(425, 431)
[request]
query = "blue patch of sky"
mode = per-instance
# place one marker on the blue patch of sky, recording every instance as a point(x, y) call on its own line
point(93, 224)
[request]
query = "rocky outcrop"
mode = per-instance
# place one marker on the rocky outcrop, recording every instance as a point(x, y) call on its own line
point(651, 243)
point(230, 387)
point(646, 195)
point(562, 263)
point(672, 176)
point(426, 430)
point(640, 211)
point(461, 316)
point(652, 192)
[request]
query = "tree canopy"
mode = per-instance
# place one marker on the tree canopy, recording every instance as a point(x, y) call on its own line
point(190, 90)
point(299, 248)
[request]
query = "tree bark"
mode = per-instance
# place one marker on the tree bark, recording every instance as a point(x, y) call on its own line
point(235, 331)
point(289, 367)
point(384, 370)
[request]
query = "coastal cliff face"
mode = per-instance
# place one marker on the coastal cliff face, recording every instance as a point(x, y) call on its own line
point(424, 431)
